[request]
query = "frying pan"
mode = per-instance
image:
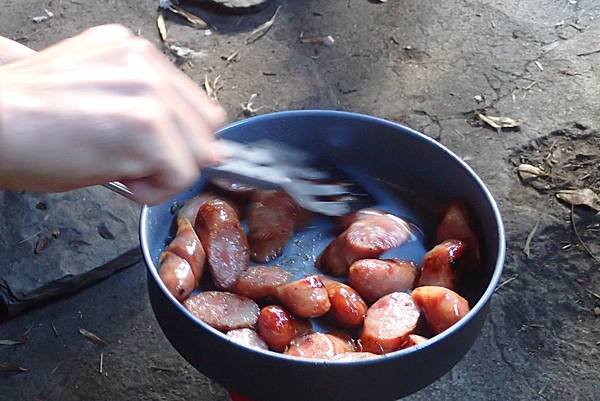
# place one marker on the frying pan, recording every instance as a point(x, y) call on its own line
point(408, 174)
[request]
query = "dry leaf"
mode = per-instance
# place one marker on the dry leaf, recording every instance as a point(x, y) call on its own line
point(41, 18)
point(92, 337)
point(578, 197)
point(248, 108)
point(162, 27)
point(499, 122)
point(263, 29)
point(527, 171)
point(11, 367)
point(212, 88)
point(41, 243)
point(193, 19)
point(184, 52)
point(12, 342)
point(104, 231)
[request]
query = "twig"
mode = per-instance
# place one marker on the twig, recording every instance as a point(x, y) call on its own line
point(592, 293)
point(505, 282)
point(101, 362)
point(526, 249)
point(54, 329)
point(574, 227)
point(30, 237)
point(159, 369)
point(588, 53)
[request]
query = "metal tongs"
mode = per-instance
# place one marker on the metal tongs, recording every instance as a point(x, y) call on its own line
point(270, 165)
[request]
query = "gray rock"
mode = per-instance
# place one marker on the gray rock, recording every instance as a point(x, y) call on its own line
point(55, 244)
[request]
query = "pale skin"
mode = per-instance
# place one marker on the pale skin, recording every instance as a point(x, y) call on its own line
point(101, 106)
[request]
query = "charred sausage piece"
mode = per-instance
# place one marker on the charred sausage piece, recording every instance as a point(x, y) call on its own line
point(354, 356)
point(414, 339)
point(247, 337)
point(314, 345)
point(224, 242)
point(366, 238)
point(440, 263)
point(388, 323)
point(442, 307)
point(342, 342)
point(278, 328)
point(223, 310)
point(374, 278)
point(305, 298)
point(347, 307)
point(176, 273)
point(273, 217)
point(259, 282)
point(457, 224)
point(186, 245)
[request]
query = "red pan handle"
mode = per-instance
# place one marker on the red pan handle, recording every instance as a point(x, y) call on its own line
point(237, 397)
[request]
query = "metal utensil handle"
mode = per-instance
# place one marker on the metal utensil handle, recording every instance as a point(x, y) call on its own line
point(120, 189)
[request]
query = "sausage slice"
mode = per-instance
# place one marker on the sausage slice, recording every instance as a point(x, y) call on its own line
point(187, 245)
point(442, 307)
point(222, 310)
point(347, 307)
point(374, 278)
point(224, 242)
point(305, 298)
point(176, 273)
point(247, 337)
point(278, 327)
point(439, 264)
point(388, 323)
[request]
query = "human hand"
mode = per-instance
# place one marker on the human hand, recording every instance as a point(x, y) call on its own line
point(103, 106)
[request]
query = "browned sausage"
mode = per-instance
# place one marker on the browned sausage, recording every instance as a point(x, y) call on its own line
point(414, 339)
point(347, 307)
point(354, 356)
point(305, 298)
point(388, 323)
point(260, 281)
point(222, 310)
point(189, 210)
point(314, 345)
point(457, 224)
point(186, 245)
point(374, 278)
point(177, 275)
point(366, 238)
point(439, 264)
point(342, 342)
point(277, 327)
point(343, 222)
point(273, 217)
point(442, 307)
point(224, 242)
point(247, 337)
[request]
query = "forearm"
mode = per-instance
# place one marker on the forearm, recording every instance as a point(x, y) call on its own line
point(12, 51)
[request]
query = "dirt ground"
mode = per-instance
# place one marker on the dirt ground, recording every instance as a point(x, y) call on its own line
point(431, 65)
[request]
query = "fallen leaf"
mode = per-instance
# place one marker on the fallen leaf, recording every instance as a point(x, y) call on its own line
point(263, 29)
point(248, 108)
point(232, 57)
point(579, 197)
point(212, 88)
point(527, 171)
point(184, 52)
point(41, 244)
point(11, 367)
point(162, 27)
point(499, 122)
point(41, 206)
point(12, 342)
point(41, 18)
point(105, 232)
point(92, 337)
point(193, 19)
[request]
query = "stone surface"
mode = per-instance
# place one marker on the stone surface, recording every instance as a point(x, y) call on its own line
point(55, 244)
point(428, 64)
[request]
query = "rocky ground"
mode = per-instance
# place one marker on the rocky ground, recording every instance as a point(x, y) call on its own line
point(430, 65)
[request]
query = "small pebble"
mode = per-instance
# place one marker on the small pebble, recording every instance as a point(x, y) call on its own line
point(597, 311)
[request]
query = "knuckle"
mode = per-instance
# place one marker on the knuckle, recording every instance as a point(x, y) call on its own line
point(108, 32)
